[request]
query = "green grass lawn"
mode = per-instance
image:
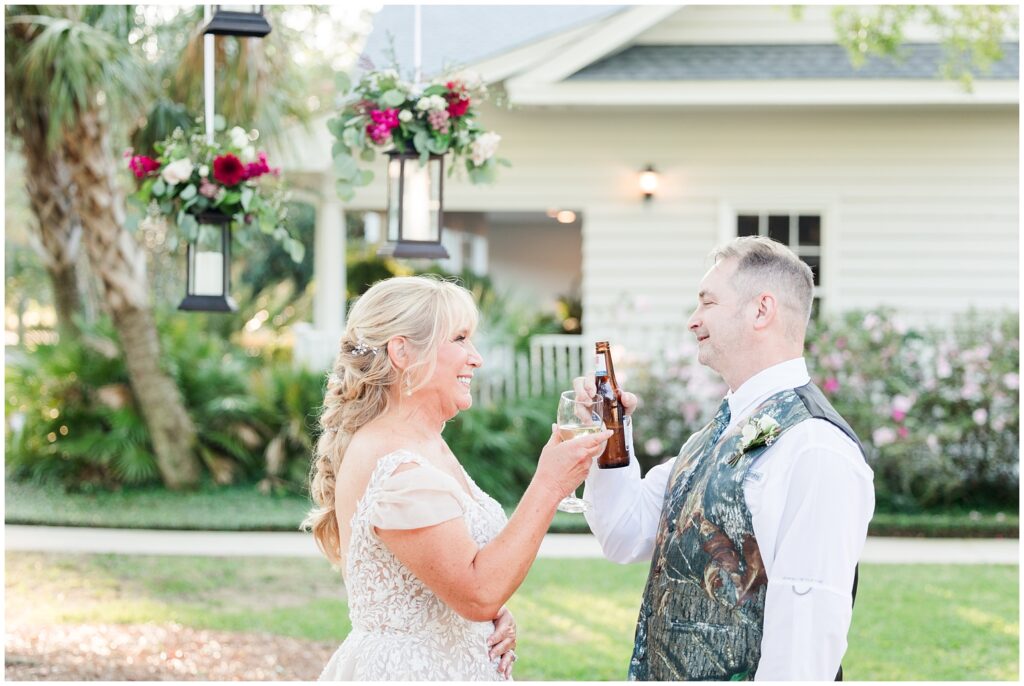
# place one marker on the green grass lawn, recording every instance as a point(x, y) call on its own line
point(243, 508)
point(913, 622)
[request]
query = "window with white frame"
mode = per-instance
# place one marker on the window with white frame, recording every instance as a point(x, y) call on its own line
point(799, 230)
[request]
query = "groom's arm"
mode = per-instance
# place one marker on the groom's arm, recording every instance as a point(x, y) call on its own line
point(825, 502)
point(626, 509)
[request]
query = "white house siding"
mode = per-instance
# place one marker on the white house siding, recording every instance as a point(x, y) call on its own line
point(920, 205)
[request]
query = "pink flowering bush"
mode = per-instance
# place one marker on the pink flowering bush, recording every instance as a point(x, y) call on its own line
point(190, 177)
point(937, 408)
point(677, 395)
point(383, 112)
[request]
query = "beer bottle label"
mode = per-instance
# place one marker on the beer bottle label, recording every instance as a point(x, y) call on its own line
point(600, 366)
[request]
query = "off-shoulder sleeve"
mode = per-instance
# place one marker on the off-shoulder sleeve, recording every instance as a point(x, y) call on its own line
point(415, 498)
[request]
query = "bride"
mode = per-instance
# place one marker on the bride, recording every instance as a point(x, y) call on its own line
point(428, 558)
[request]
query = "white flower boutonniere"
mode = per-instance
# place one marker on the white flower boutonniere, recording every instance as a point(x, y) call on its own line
point(758, 431)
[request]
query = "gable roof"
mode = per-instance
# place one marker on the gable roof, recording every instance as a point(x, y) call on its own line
point(460, 35)
point(759, 62)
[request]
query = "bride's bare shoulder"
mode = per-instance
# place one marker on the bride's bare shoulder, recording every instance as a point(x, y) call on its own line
point(369, 445)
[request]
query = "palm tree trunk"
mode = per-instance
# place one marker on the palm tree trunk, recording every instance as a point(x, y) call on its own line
point(120, 266)
point(48, 183)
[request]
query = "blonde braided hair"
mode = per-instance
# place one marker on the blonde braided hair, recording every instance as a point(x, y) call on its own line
point(425, 311)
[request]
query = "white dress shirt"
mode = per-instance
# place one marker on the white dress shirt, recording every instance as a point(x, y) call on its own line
point(810, 497)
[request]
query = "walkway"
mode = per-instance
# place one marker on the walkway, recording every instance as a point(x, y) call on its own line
point(287, 544)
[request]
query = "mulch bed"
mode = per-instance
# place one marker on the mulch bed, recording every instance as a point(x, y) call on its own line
point(167, 652)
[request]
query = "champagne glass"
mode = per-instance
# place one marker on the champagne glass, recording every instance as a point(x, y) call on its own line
point(577, 415)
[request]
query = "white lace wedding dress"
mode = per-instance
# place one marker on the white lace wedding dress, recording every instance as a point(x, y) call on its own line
point(400, 629)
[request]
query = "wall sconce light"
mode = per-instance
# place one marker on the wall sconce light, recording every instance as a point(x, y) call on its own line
point(648, 182)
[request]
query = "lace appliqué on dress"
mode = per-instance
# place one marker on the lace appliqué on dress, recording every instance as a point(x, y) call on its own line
point(400, 629)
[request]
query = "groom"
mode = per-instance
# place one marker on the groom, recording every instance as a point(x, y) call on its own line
point(755, 528)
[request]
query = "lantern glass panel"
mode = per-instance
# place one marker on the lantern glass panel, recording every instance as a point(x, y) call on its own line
point(206, 255)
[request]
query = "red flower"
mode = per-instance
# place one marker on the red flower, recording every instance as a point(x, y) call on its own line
point(142, 166)
point(457, 104)
point(228, 169)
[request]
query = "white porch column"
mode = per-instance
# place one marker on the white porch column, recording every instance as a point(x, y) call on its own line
point(316, 345)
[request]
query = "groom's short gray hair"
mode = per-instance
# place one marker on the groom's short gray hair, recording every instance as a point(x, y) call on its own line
point(763, 263)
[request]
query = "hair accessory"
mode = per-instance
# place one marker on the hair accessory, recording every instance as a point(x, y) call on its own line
point(360, 349)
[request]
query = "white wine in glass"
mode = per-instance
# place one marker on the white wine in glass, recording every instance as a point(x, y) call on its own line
point(577, 416)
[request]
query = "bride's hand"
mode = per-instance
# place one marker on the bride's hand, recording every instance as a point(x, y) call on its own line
point(503, 641)
point(563, 465)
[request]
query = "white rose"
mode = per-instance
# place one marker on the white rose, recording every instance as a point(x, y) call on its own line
point(405, 116)
point(437, 103)
point(749, 434)
point(423, 104)
point(484, 147)
point(204, 171)
point(177, 171)
point(239, 138)
point(767, 424)
point(248, 154)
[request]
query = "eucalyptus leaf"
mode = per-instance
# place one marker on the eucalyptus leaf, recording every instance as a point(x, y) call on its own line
point(219, 123)
point(363, 178)
point(247, 195)
point(189, 227)
point(159, 188)
point(336, 126)
point(436, 89)
point(345, 166)
point(349, 136)
point(368, 155)
point(345, 190)
point(188, 192)
point(392, 98)
point(338, 148)
point(419, 141)
point(435, 146)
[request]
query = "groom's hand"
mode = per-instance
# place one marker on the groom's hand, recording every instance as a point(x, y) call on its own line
point(586, 388)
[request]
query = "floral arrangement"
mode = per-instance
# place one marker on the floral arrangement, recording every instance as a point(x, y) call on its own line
point(384, 113)
point(191, 177)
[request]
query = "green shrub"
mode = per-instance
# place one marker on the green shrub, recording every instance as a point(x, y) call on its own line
point(72, 417)
point(499, 444)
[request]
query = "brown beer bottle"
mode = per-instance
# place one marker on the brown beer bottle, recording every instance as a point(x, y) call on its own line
point(617, 450)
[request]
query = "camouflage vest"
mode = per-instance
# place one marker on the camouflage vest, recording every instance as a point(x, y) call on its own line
point(702, 613)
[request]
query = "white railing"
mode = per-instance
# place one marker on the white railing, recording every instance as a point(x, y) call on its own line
point(554, 360)
point(548, 367)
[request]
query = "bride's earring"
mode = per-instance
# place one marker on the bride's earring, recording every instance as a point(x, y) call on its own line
point(408, 386)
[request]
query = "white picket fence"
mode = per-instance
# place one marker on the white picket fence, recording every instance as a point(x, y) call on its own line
point(552, 362)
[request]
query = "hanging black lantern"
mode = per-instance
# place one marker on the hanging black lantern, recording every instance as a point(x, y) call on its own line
point(415, 206)
point(246, 21)
point(208, 266)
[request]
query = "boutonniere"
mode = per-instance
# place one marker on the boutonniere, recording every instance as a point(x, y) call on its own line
point(758, 431)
